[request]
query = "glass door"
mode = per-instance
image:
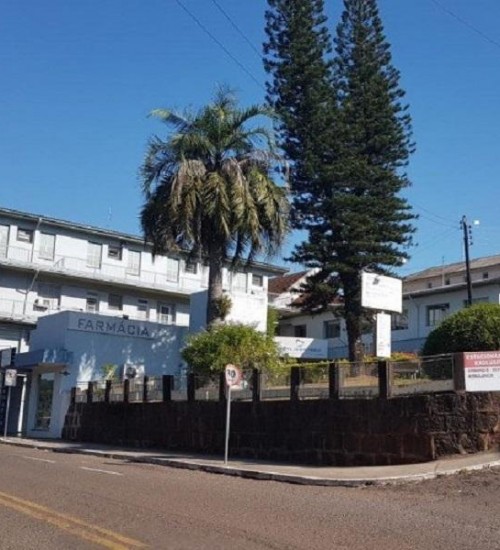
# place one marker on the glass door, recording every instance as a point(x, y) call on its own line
point(44, 403)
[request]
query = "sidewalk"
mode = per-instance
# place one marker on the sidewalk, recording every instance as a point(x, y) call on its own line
point(258, 469)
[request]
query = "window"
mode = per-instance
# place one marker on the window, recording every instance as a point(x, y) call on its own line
point(115, 302)
point(172, 270)
point(94, 255)
point(133, 262)
point(481, 300)
point(191, 267)
point(92, 305)
point(429, 285)
point(239, 281)
point(25, 235)
point(436, 313)
point(257, 280)
point(47, 246)
point(115, 251)
point(399, 321)
point(486, 275)
point(300, 331)
point(142, 309)
point(331, 329)
point(165, 313)
point(447, 281)
point(4, 240)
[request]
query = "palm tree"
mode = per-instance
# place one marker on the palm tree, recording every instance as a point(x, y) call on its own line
point(208, 189)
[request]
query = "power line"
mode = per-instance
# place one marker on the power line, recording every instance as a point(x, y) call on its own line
point(236, 28)
point(466, 23)
point(219, 43)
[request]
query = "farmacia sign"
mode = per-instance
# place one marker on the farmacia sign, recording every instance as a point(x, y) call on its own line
point(113, 327)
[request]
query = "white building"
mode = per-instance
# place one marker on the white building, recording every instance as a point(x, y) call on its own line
point(428, 297)
point(80, 297)
point(49, 265)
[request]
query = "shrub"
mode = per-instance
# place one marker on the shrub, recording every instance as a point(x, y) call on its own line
point(476, 328)
point(209, 351)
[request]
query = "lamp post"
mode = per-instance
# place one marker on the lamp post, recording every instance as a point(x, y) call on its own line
point(467, 240)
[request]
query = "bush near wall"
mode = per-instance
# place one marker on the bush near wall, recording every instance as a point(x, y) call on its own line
point(209, 351)
point(476, 328)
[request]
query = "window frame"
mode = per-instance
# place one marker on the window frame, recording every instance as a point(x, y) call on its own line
point(29, 232)
point(119, 306)
point(432, 309)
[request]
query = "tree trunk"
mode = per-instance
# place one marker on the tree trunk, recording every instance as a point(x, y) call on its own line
point(353, 316)
point(215, 264)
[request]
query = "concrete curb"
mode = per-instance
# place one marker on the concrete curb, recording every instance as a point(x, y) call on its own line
point(256, 474)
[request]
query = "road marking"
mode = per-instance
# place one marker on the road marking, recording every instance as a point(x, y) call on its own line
point(75, 526)
point(101, 471)
point(40, 459)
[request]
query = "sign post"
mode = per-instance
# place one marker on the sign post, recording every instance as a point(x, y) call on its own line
point(10, 379)
point(233, 380)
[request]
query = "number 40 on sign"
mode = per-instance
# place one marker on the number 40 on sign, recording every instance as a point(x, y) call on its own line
point(233, 376)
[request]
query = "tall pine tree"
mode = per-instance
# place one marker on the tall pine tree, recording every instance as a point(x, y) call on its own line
point(300, 93)
point(357, 218)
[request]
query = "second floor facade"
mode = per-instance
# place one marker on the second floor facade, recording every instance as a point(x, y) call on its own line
point(49, 265)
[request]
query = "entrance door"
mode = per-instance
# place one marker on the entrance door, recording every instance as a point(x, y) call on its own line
point(44, 403)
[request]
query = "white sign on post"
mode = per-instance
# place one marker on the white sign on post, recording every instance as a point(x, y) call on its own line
point(233, 376)
point(233, 382)
point(381, 292)
point(383, 335)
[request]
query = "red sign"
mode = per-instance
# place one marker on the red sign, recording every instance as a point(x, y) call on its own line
point(482, 370)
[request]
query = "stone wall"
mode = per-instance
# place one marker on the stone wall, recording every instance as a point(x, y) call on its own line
point(322, 432)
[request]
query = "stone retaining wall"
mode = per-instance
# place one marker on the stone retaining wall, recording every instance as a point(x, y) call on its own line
point(322, 432)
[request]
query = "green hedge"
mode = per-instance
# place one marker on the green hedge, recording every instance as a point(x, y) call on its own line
point(476, 328)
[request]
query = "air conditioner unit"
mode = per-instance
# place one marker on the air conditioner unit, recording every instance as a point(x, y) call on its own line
point(42, 303)
point(133, 371)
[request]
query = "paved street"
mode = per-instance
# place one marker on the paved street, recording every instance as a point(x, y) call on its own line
point(60, 501)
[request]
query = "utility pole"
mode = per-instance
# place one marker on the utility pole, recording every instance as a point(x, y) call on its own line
point(467, 230)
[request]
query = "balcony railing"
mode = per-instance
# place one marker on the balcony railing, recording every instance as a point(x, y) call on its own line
point(105, 271)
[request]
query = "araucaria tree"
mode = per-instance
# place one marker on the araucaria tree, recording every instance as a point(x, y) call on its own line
point(209, 191)
point(362, 222)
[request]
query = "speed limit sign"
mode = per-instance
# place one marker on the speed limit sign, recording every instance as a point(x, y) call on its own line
point(233, 375)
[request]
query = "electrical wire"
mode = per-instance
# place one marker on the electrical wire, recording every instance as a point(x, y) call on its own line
point(466, 24)
point(236, 28)
point(219, 43)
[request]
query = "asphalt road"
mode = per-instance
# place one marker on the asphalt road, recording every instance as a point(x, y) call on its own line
point(60, 501)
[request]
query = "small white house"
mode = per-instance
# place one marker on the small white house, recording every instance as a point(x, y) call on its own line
point(429, 296)
point(70, 348)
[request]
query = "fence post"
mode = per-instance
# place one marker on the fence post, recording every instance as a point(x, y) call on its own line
point(90, 392)
point(145, 389)
point(107, 391)
point(255, 385)
point(294, 383)
point(384, 379)
point(73, 395)
point(166, 387)
point(191, 388)
point(457, 364)
point(334, 380)
point(222, 387)
point(126, 390)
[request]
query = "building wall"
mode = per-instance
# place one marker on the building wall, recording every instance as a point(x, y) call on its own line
point(346, 432)
point(36, 280)
point(80, 344)
point(416, 308)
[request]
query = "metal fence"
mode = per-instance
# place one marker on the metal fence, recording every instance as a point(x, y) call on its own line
point(301, 381)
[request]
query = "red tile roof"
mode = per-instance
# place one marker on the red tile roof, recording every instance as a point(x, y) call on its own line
point(278, 285)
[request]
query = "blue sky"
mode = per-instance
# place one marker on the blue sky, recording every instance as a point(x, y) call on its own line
point(79, 78)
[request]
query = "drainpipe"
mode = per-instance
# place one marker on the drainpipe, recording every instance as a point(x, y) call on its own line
point(30, 288)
